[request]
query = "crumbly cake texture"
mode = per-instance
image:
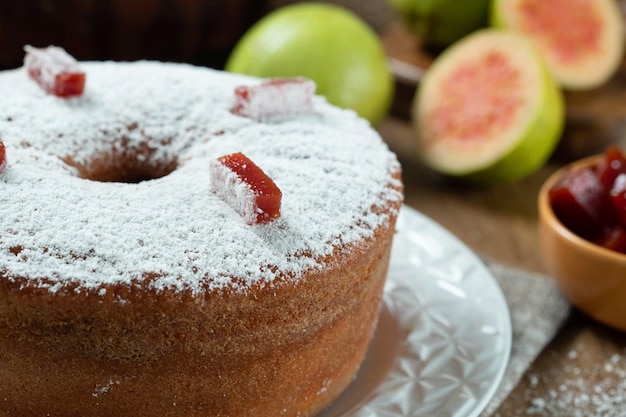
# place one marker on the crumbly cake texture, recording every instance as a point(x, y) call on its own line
point(156, 298)
point(59, 228)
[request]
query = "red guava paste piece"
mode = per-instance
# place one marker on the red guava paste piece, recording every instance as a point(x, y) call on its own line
point(246, 188)
point(3, 157)
point(617, 196)
point(579, 202)
point(55, 71)
point(611, 166)
point(275, 97)
point(613, 238)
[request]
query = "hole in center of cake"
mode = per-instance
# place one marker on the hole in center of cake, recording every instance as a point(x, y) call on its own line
point(132, 172)
point(125, 166)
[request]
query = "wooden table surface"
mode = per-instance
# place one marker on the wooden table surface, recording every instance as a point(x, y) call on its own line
point(582, 372)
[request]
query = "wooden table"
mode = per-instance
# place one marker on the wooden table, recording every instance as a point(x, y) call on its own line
point(582, 372)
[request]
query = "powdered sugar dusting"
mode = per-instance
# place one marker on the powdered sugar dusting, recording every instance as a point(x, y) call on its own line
point(101, 389)
point(57, 228)
point(577, 387)
point(579, 396)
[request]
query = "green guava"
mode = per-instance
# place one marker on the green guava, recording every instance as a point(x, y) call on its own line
point(440, 23)
point(582, 41)
point(326, 43)
point(488, 110)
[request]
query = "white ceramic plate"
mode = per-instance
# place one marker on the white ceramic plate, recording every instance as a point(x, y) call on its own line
point(444, 335)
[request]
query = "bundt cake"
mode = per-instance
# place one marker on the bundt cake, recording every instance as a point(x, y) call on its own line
point(129, 286)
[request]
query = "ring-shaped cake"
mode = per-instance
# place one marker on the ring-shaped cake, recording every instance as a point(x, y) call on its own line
point(128, 287)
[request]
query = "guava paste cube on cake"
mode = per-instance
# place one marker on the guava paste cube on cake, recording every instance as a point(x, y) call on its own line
point(246, 188)
point(3, 157)
point(55, 71)
point(275, 97)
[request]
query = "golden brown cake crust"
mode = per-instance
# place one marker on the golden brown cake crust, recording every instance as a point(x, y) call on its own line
point(287, 349)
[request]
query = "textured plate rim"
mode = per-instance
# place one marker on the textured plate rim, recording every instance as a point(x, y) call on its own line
point(355, 403)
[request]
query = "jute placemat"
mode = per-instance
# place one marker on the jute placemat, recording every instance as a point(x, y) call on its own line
point(537, 312)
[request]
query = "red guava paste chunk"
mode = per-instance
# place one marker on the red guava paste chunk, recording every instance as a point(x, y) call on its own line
point(613, 238)
point(55, 71)
point(246, 188)
point(3, 157)
point(579, 202)
point(617, 196)
point(275, 97)
point(611, 166)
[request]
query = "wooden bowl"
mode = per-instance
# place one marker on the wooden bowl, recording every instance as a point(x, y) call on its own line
point(592, 277)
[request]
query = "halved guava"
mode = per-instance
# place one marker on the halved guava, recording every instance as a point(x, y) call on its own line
point(582, 41)
point(488, 110)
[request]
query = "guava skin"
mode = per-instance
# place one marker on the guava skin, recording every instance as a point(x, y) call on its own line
point(535, 140)
point(440, 23)
point(592, 33)
point(325, 43)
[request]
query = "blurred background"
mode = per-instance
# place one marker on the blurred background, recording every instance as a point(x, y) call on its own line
point(204, 32)
point(196, 31)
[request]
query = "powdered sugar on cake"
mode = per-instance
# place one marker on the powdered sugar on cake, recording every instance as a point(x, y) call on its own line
point(57, 228)
point(278, 96)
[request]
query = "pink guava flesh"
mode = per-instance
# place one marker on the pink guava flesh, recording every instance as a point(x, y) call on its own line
point(569, 28)
point(479, 100)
